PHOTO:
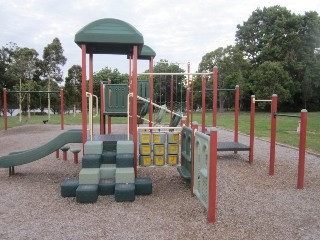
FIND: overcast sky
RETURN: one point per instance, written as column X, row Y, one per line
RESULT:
column 178, row 31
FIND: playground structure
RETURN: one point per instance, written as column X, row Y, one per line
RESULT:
column 110, row 161
column 302, row 136
column 5, row 105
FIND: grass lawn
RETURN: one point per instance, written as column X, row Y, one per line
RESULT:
column 286, row 127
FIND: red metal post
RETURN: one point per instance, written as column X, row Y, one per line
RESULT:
column 215, row 96
column 5, row 109
column 194, row 127
column 187, row 106
column 273, row 135
column 236, row 115
column 134, row 105
column 91, row 82
column 62, row 108
column 252, row 113
column 151, row 92
column 171, row 100
column 109, row 118
column 102, row 116
column 191, row 107
column 130, row 91
column 302, row 148
column 57, row 153
column 212, row 201
column 203, row 92
column 83, row 95
column 91, row 73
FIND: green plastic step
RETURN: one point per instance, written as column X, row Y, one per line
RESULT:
column 124, row 192
column 87, row 193
column 124, row 175
column 69, row 187
column 107, row 171
column 91, row 161
column 89, row 176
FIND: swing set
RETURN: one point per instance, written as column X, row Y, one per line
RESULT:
column 5, row 104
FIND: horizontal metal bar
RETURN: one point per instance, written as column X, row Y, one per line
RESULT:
column 222, row 89
column 173, row 74
column 160, row 128
column 262, row 100
column 285, row 115
column 32, row 91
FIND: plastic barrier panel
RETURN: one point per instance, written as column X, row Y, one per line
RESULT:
column 201, row 166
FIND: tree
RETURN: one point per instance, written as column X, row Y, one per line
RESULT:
column 23, row 67
column 72, row 87
column 7, row 80
column 233, row 70
column 274, row 34
column 53, row 60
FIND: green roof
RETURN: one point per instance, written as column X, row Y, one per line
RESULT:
column 146, row 53
column 109, row 36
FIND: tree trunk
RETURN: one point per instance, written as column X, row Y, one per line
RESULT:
column 49, row 104
column 20, row 104
column 74, row 110
column 29, row 115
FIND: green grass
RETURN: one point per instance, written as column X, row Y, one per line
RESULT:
column 286, row 127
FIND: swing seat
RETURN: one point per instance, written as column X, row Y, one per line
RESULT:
column 176, row 119
column 160, row 115
column 144, row 110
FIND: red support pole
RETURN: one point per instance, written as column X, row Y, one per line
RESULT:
column 57, row 153
column 5, row 109
column 188, row 98
column 187, row 106
column 273, row 133
column 194, row 127
column 212, row 201
column 151, row 92
column 102, row 116
column 191, row 107
column 91, row 81
column 252, row 113
column 134, row 105
column 236, row 115
column 62, row 108
column 130, row 91
column 215, row 96
column 171, row 100
column 302, row 148
column 203, row 121
column 109, row 118
column 83, row 95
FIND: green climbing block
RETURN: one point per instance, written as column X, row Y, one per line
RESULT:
column 87, row 193
column 89, row 176
column 106, row 187
column 124, row 160
column 143, row 186
column 91, row 161
column 109, row 146
column 69, row 187
column 108, row 157
column 125, row 147
column 107, row 171
column 93, row 147
column 124, row 175
column 124, row 192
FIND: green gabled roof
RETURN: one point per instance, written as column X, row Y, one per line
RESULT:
column 109, row 36
column 146, row 53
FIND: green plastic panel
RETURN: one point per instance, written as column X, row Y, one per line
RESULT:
column 116, row 98
column 201, row 166
column 185, row 169
column 143, row 88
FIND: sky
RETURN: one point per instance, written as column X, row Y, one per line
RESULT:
column 178, row 31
